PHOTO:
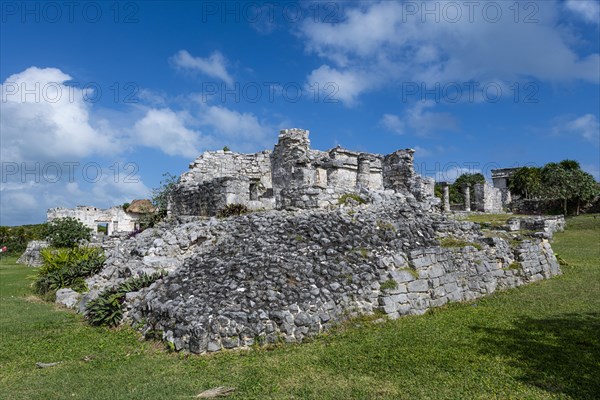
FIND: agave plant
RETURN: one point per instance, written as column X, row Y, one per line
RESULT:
column 107, row 308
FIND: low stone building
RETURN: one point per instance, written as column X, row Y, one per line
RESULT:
column 292, row 176
column 116, row 219
column 501, row 180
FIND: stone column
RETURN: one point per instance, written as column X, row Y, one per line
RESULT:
column 364, row 172
column 289, row 162
column 445, row 197
column 467, row 195
column 398, row 171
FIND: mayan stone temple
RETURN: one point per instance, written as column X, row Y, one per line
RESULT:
column 292, row 176
column 324, row 236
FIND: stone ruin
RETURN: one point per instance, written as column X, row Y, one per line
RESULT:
column 292, row 176
column 32, row 255
column 484, row 198
column 304, row 260
column 117, row 219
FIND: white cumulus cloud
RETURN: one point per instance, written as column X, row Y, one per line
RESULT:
column 214, row 65
column 43, row 118
column 164, row 129
column 587, row 126
column 417, row 120
column 336, row 85
column 238, row 130
column 383, row 44
column 589, row 10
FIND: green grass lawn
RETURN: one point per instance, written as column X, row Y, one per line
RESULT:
column 541, row 341
column 492, row 219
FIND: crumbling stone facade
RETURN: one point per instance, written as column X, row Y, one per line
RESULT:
column 292, row 176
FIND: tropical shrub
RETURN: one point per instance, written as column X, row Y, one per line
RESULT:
column 107, row 308
column 67, row 268
column 67, row 232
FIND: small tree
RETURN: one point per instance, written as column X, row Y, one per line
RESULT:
column 527, row 182
column 585, row 188
column 557, row 183
column 162, row 194
column 566, row 181
column 67, row 232
column 466, row 179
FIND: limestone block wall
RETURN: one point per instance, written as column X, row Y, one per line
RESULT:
column 221, row 164
column 370, row 171
column 342, row 169
column 547, row 226
column 291, row 164
column 208, row 198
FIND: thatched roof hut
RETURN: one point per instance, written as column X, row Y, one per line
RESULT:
column 143, row 206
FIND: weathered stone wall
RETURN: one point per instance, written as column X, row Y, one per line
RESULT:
column 535, row 206
column 543, row 226
column 226, row 164
column 117, row 219
column 291, row 165
column 399, row 174
column 487, row 198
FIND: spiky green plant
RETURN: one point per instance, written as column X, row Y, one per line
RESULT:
column 107, row 308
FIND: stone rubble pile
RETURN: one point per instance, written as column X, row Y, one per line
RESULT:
column 32, row 256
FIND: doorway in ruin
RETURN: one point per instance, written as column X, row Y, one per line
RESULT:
column 254, row 189
column 102, row 228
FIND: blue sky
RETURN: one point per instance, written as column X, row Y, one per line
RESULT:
column 99, row 99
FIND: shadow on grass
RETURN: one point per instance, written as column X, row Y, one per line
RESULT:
column 559, row 355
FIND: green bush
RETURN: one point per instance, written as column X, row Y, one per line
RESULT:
column 107, row 308
column 233, row 209
column 55, row 259
column 15, row 238
column 67, row 232
column 67, row 268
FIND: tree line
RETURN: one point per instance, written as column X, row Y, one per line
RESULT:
column 564, row 181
